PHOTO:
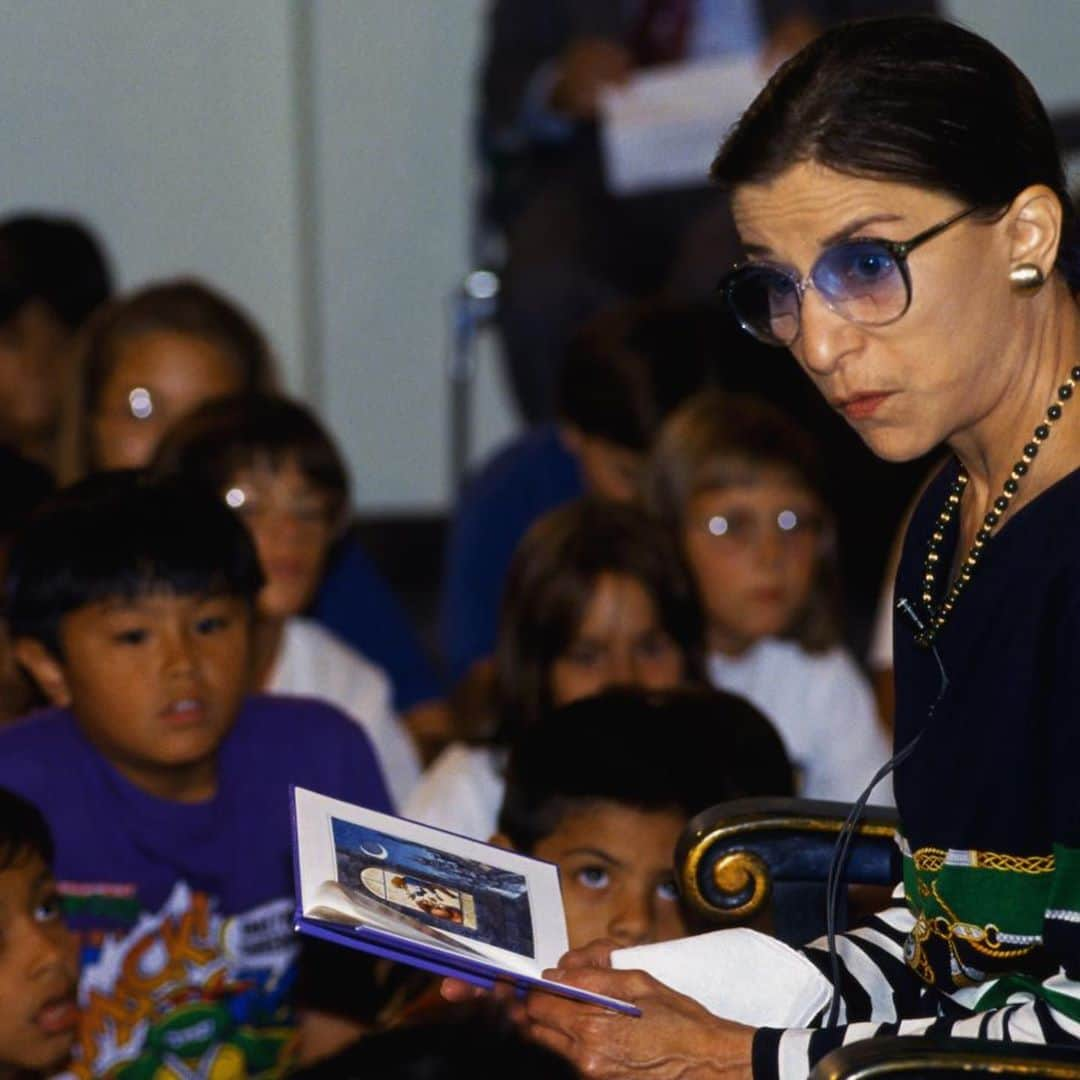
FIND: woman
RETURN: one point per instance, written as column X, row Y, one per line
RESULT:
column 902, row 203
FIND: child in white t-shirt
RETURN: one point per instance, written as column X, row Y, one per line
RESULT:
column 273, row 464
column 741, row 486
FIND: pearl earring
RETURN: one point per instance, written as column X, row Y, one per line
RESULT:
column 1027, row 277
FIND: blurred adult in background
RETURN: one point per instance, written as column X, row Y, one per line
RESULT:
column 53, row 275
column 571, row 245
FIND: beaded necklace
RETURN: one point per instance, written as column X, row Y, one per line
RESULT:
column 939, row 613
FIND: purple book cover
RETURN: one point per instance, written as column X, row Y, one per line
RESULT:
column 428, row 898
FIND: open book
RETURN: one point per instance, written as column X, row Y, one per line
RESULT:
column 428, row 898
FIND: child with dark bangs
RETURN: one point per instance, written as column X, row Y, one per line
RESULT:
column 606, row 785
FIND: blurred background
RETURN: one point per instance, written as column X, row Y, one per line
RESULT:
column 316, row 161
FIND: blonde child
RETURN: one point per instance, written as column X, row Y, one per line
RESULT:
column 741, row 489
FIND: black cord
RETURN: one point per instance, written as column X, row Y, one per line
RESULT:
column 847, row 833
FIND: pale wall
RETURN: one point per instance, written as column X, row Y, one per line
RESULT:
column 193, row 134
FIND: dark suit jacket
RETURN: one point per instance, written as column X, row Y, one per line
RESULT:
column 524, row 34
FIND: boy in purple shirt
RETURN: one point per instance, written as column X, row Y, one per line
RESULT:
column 165, row 785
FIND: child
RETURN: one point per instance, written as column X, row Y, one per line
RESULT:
column 53, row 275
column 596, row 596
column 38, row 964
column 148, row 359
column 270, row 461
column 741, row 488
column 605, row 786
column 155, row 356
column 166, row 787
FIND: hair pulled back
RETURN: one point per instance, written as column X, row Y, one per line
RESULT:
column 914, row 100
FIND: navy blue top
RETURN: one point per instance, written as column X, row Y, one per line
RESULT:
column 360, row 608
column 997, row 768
column 533, row 474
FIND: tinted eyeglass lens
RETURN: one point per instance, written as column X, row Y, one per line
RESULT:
column 766, row 303
column 861, row 281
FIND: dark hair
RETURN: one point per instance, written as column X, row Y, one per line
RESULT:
column 684, row 750
column 23, row 831
column 457, row 1042
column 627, row 368
column 56, row 260
column 914, row 100
column 119, row 534
column 221, row 437
column 26, row 485
column 717, row 439
column 548, row 587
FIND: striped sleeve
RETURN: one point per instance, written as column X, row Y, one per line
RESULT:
column 880, row 995
column 792, row 1053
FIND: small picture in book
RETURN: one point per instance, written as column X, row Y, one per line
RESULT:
column 447, row 892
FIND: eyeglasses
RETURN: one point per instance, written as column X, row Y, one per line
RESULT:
column 309, row 514
column 864, row 280
column 743, row 530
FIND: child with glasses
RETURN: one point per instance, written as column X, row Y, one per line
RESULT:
column 741, row 487
column 272, row 463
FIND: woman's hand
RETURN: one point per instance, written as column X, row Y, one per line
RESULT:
column 673, row 1037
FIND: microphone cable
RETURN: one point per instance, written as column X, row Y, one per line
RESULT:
column 847, row 833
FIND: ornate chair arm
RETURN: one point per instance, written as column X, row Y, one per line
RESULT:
column 730, row 858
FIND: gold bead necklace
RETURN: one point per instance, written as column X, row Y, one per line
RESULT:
column 939, row 613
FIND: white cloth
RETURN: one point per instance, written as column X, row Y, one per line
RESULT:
column 823, row 708
column 461, row 792
column 738, row 974
column 313, row 663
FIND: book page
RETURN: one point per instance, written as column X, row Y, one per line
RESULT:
column 427, row 885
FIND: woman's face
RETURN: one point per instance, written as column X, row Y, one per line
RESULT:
column 940, row 367
column 620, row 642
column 290, row 521
column 157, row 378
column 753, row 550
